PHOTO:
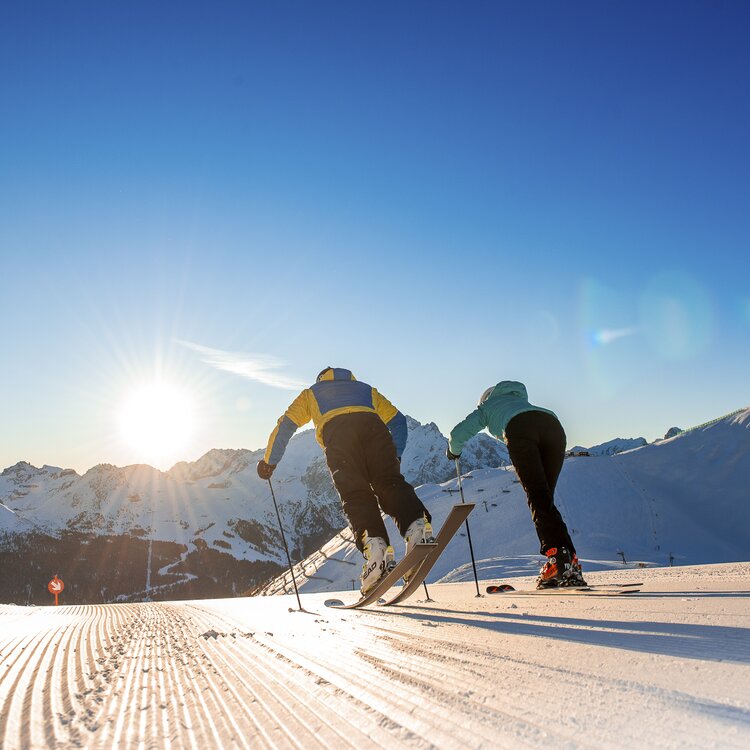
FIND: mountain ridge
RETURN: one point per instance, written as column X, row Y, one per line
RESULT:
column 209, row 527
column 215, row 512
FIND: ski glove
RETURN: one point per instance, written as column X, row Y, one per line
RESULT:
column 452, row 456
column 265, row 470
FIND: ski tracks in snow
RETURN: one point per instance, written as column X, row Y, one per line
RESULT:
column 187, row 676
column 458, row 673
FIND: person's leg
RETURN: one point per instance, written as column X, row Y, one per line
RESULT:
column 523, row 436
column 396, row 496
column 347, row 462
column 552, row 442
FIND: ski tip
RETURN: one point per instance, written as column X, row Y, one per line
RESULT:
column 334, row 603
column 499, row 589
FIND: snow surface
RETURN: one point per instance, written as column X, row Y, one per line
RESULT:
column 665, row 668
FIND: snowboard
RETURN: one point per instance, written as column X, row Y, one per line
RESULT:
column 458, row 514
column 412, row 560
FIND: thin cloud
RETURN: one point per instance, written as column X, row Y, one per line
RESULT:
column 263, row 368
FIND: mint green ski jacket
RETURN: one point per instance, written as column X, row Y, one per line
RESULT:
column 496, row 408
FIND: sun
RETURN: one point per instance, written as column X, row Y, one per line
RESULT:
column 156, row 422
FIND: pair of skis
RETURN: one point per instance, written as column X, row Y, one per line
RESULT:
column 604, row 589
column 421, row 558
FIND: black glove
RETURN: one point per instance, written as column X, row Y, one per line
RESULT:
column 265, row 470
column 452, row 456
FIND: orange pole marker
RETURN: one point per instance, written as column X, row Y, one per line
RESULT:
column 55, row 586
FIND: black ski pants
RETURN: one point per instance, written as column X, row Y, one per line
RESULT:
column 367, row 474
column 536, row 444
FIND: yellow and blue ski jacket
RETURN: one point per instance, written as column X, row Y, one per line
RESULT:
column 336, row 392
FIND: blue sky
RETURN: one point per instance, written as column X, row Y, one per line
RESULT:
column 438, row 196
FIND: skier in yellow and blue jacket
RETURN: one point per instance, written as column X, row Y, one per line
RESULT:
column 363, row 436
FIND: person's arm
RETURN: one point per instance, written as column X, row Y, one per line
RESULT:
column 394, row 420
column 465, row 430
column 294, row 417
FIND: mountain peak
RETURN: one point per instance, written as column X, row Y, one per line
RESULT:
column 216, row 461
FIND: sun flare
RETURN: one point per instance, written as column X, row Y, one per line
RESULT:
column 157, row 421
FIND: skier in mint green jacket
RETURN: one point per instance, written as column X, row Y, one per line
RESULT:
column 536, row 445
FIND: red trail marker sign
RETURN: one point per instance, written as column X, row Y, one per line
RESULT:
column 55, row 586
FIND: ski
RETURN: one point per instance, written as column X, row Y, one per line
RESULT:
column 458, row 514
column 614, row 585
column 604, row 589
column 413, row 559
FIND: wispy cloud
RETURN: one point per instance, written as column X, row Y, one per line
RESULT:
column 263, row 368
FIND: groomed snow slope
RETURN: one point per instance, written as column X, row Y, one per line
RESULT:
column 666, row 668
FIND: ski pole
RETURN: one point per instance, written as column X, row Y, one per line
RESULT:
column 283, row 538
column 468, row 533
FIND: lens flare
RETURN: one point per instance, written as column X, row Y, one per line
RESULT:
column 605, row 316
column 676, row 316
column 745, row 310
column 608, row 335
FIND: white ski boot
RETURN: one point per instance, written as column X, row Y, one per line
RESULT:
column 379, row 560
column 419, row 532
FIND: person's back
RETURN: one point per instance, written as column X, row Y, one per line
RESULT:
column 337, row 390
column 497, row 406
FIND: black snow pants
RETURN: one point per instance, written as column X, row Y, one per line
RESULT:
column 536, row 444
column 367, row 474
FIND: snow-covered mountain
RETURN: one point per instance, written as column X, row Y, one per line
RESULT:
column 424, row 459
column 209, row 528
column 215, row 512
column 618, row 445
column 681, row 501
column 212, row 496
